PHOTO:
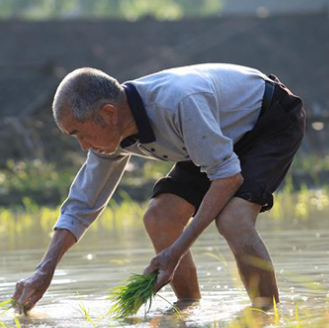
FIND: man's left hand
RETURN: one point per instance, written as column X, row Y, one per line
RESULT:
column 166, row 264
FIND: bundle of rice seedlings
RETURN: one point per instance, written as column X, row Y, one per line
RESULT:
column 128, row 298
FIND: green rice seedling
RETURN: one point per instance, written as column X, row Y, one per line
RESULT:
column 6, row 306
column 86, row 314
column 298, row 323
column 18, row 324
column 130, row 297
column 276, row 313
column 218, row 257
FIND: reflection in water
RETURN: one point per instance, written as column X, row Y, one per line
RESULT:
column 117, row 246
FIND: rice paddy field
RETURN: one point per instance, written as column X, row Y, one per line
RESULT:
column 296, row 232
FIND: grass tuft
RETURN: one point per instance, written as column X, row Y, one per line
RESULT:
column 128, row 298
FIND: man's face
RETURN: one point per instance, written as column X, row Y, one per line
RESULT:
column 99, row 136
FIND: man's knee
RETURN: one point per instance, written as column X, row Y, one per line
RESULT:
column 232, row 227
column 237, row 220
column 167, row 212
column 153, row 218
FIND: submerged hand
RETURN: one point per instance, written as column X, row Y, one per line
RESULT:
column 30, row 290
column 166, row 263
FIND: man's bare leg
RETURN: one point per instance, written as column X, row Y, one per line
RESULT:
column 165, row 220
column 237, row 224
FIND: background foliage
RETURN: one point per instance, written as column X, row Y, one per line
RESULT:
column 120, row 9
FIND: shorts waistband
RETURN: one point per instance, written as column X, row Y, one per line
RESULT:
column 275, row 90
column 268, row 95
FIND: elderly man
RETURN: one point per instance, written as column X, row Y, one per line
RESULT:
column 232, row 132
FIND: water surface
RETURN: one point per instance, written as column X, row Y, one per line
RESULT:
column 298, row 243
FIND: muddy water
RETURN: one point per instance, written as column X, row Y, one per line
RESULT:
column 299, row 248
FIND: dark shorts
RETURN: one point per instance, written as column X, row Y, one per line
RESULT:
column 265, row 153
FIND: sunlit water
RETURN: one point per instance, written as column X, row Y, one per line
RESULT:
column 299, row 248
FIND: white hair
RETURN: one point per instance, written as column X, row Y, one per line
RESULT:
column 83, row 92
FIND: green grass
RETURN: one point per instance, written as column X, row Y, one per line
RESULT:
column 128, row 298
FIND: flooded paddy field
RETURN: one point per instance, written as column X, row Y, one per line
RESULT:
column 296, row 233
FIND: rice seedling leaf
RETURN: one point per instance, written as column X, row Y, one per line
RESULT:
column 7, row 302
column 298, row 323
column 18, row 324
column 276, row 313
column 218, row 257
column 7, row 305
column 258, row 310
column 176, row 309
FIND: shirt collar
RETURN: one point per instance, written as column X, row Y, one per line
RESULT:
column 145, row 131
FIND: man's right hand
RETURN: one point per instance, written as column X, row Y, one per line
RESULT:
column 30, row 290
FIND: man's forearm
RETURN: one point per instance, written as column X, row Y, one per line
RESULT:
column 218, row 195
column 59, row 245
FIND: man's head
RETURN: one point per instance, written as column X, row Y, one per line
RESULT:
column 87, row 105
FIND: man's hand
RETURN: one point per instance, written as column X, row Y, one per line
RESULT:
column 166, row 263
column 30, row 290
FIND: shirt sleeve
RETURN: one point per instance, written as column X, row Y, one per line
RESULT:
column 207, row 146
column 90, row 192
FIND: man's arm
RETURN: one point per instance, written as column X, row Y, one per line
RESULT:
column 29, row 291
column 219, row 194
column 198, row 122
column 89, row 195
column 90, row 192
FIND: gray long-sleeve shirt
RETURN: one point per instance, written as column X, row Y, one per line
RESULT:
column 189, row 113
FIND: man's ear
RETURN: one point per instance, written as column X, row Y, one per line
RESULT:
column 109, row 114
